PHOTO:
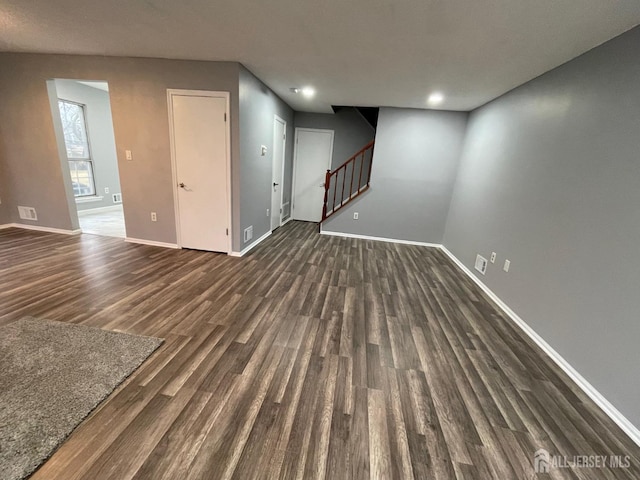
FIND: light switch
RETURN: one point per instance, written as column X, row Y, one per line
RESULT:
column 127, row 154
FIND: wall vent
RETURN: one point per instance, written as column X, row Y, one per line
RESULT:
column 481, row 264
column 27, row 213
column 117, row 198
column 248, row 233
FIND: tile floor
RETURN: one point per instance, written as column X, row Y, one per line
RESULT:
column 109, row 223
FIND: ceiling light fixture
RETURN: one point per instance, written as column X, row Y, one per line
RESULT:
column 308, row 92
column 436, row 98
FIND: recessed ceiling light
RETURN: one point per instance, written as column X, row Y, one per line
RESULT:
column 436, row 98
column 308, row 92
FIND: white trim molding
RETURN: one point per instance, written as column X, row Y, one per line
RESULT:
column 153, row 243
column 90, row 199
column 379, row 239
column 110, row 208
column 254, row 244
column 42, row 229
column 612, row 412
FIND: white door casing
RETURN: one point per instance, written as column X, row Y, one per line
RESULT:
column 201, row 168
column 277, row 170
column 312, row 157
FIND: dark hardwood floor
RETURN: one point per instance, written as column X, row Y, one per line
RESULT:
column 311, row 357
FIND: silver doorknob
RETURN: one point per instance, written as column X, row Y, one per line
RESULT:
column 275, row 184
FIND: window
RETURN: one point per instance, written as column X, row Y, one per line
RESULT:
column 74, row 128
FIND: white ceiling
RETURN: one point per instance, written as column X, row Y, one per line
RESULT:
column 354, row 52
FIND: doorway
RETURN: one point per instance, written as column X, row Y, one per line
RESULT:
column 83, row 124
column 277, row 170
column 201, row 168
column 312, row 158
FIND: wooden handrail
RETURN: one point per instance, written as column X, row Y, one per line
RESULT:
column 359, row 152
column 332, row 179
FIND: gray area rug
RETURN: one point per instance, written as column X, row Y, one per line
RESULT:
column 52, row 375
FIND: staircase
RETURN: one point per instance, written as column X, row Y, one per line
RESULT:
column 347, row 182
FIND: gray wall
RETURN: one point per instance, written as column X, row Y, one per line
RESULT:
column 101, row 139
column 351, row 131
column 139, row 108
column 550, row 179
column 5, row 217
column 258, row 105
column 61, row 150
column 414, row 166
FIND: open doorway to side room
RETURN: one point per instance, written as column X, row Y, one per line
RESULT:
column 86, row 143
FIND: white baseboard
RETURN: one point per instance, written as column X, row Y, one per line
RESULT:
column 246, row 250
column 110, row 208
column 379, row 239
column 153, row 243
column 42, row 229
column 629, row 428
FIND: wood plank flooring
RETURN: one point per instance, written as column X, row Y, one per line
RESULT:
column 311, row 357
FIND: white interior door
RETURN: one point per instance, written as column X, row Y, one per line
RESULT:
column 279, row 143
column 201, row 169
column 313, row 152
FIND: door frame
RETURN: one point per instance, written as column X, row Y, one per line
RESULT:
column 171, row 92
column 295, row 159
column 277, row 118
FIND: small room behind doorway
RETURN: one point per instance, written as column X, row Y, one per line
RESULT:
column 88, row 148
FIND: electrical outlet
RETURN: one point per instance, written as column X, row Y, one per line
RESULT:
column 128, row 155
column 267, row 212
column 106, row 189
column 355, row 215
column 154, row 217
column 493, row 257
column 507, row 264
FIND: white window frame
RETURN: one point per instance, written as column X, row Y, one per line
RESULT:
column 89, row 158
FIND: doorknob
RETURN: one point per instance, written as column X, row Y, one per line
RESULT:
column 181, row 185
column 275, row 184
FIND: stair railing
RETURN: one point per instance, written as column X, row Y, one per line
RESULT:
column 348, row 181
